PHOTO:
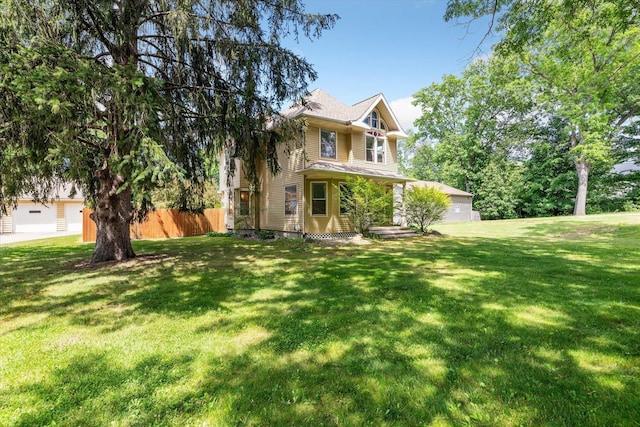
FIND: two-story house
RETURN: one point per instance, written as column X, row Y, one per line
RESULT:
column 304, row 198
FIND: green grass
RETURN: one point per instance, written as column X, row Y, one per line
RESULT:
column 532, row 322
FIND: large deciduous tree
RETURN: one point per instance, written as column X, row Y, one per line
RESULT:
column 119, row 96
column 478, row 120
column 584, row 58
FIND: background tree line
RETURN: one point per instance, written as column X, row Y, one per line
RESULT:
column 537, row 128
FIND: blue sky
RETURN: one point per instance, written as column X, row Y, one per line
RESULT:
column 395, row 47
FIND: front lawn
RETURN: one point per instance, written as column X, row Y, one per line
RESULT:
column 527, row 322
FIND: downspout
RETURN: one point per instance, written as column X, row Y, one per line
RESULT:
column 304, row 190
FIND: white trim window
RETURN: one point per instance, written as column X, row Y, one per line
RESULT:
column 319, row 198
column 328, row 144
column 375, row 143
column 291, row 200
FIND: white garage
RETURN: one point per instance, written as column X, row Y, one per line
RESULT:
column 63, row 213
column 34, row 218
column 73, row 217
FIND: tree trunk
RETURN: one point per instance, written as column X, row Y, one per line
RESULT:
column 112, row 216
column 582, row 167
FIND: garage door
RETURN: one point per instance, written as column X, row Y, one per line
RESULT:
column 32, row 218
column 73, row 217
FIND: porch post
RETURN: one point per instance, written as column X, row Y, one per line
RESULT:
column 403, row 216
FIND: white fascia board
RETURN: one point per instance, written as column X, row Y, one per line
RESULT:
column 360, row 125
column 398, row 133
column 371, row 107
column 393, row 116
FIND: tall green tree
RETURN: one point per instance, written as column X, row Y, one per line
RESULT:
column 498, row 193
column 583, row 57
column 117, row 96
column 585, row 67
column 419, row 160
column 477, row 119
column 549, row 177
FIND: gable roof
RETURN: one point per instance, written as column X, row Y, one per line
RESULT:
column 319, row 104
column 446, row 189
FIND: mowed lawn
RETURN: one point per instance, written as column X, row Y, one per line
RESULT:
column 524, row 322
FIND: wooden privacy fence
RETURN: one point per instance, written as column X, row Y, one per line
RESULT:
column 163, row 223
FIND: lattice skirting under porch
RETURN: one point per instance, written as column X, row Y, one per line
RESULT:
column 329, row 236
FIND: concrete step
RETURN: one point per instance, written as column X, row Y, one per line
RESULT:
column 393, row 232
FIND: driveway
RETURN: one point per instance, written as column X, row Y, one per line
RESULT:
column 23, row 237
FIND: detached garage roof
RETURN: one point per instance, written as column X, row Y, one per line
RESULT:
column 451, row 191
column 62, row 193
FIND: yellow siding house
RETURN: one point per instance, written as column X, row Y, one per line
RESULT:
column 304, row 198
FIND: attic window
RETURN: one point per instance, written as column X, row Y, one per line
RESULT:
column 374, row 120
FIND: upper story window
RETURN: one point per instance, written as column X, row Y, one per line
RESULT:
column 375, row 147
column 376, row 138
column 374, row 120
column 328, row 144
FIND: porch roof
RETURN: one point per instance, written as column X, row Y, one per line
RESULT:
column 323, row 169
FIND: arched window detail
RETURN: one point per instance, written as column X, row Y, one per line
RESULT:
column 375, row 121
column 376, row 138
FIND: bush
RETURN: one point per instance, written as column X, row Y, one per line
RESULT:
column 366, row 203
column 424, row 206
column 629, row 206
column 217, row 234
column 266, row 234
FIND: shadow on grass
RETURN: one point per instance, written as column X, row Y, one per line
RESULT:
column 462, row 331
column 115, row 393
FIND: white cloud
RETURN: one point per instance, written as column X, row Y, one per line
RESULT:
column 405, row 112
